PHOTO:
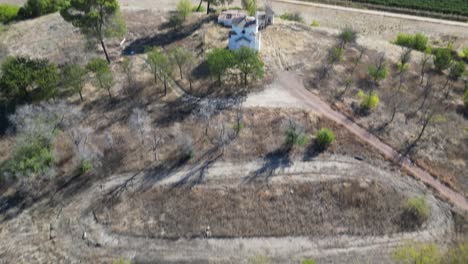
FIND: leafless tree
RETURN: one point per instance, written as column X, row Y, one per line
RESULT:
column 139, row 121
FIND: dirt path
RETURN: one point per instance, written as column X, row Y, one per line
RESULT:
column 293, row 94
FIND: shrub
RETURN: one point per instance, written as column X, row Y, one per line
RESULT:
column 37, row 8
column 184, row 8
column 417, row 253
column 8, row 13
column 32, row 156
column 347, row 35
column 29, row 80
column 325, row 138
column 415, row 212
column 405, row 40
column 85, row 167
column 463, row 53
column 315, row 23
column 443, row 59
column 308, row 261
column 419, row 41
column 368, row 100
column 292, row 17
column 294, row 135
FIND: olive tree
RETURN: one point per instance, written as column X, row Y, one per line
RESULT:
column 379, row 71
column 219, row 61
column 97, row 19
column 160, row 67
column 249, row 63
column 103, row 76
column 74, row 78
column 181, row 57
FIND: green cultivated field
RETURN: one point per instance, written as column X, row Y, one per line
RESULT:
column 458, row 7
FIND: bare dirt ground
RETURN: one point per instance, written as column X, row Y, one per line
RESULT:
column 67, row 223
column 79, row 232
column 443, row 150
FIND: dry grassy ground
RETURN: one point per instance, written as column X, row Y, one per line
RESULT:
column 64, row 204
column 329, row 208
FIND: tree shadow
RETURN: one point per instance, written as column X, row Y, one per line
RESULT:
column 277, row 159
column 312, row 151
column 165, row 38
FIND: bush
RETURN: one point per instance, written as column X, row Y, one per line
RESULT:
column 368, row 101
column 29, row 80
column 8, row 13
column 184, row 9
column 325, row 138
column 418, row 41
column 347, row 35
column 37, row 8
column 315, row 23
column 85, row 167
column 443, row 59
column 415, row 212
column 292, row 17
column 32, row 156
column 308, row 261
column 295, row 134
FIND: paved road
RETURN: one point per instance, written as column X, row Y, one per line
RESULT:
column 294, row 86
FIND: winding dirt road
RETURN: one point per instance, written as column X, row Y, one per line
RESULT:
column 291, row 92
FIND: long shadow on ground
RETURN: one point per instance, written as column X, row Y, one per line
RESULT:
column 165, row 38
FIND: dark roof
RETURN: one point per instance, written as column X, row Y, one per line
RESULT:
column 244, row 22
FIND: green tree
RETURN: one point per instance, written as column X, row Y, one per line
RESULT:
column 415, row 253
column 37, row 8
column 97, row 19
column 180, row 57
column 102, row 74
column 160, row 66
column 219, row 61
column 184, row 9
column 379, row 71
column 443, row 59
column 249, row 63
column 28, row 80
column 347, row 35
column 325, row 138
column 456, row 70
column 74, row 78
